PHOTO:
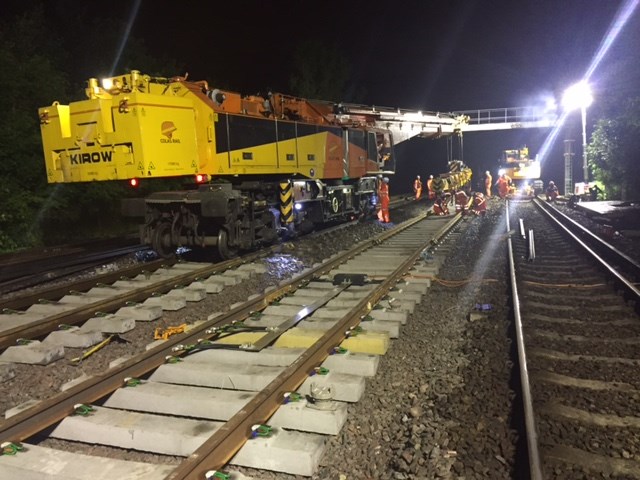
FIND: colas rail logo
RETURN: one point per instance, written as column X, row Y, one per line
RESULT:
column 167, row 128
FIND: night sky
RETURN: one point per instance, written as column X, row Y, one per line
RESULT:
column 441, row 55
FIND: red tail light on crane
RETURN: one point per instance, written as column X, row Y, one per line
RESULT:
column 134, row 182
column 201, row 178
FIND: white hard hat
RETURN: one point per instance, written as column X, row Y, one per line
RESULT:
column 430, row 176
column 418, row 176
column 488, row 172
column 385, row 179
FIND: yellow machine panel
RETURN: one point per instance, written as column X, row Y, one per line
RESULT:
column 119, row 138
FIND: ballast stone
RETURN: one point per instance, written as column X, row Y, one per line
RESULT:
column 7, row 371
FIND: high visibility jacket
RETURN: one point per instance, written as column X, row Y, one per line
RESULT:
column 440, row 208
column 417, row 188
column 383, row 193
column 479, row 205
column 487, row 185
column 461, row 200
column 503, row 186
column 432, row 193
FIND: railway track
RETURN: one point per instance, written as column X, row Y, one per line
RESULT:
column 578, row 335
column 337, row 309
column 41, row 311
column 30, row 268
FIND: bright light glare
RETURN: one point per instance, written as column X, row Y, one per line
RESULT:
column 107, row 83
column 577, row 96
column 622, row 17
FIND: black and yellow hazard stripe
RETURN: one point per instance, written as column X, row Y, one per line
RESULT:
column 439, row 185
column 286, row 202
column 455, row 166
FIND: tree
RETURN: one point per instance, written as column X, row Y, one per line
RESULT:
column 46, row 55
column 614, row 151
column 319, row 71
column 30, row 79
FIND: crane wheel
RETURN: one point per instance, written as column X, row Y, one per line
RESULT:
column 224, row 252
column 162, row 243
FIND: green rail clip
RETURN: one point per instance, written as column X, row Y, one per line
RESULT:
column 215, row 474
column 10, row 448
column 82, row 409
column 132, row 382
column 291, row 397
column 261, row 431
column 319, row 371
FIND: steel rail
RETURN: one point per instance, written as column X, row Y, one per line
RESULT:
column 631, row 290
column 219, row 449
column 591, row 237
column 83, row 313
column 535, row 468
column 59, row 291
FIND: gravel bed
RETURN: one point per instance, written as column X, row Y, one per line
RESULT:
column 440, row 406
column 607, row 441
column 627, row 241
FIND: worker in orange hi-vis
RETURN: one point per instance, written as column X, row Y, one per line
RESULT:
column 503, row 183
column 378, row 209
column 440, row 206
column 383, row 193
column 462, row 200
column 432, row 193
column 479, row 204
column 417, row 187
column 488, row 180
